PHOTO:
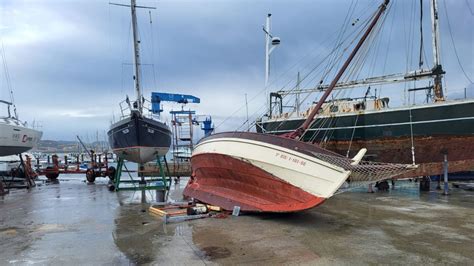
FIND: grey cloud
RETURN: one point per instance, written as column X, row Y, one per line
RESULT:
column 212, row 49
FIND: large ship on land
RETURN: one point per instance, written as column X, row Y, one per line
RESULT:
column 421, row 134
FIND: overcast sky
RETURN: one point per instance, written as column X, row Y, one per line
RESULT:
column 69, row 60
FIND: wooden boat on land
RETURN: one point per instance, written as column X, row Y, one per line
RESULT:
column 269, row 173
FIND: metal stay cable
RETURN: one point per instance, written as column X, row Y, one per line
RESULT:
column 355, row 34
column 454, row 45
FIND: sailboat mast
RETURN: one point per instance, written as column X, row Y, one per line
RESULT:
column 136, row 51
column 437, row 69
column 309, row 120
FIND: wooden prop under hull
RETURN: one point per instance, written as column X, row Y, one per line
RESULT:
column 225, row 181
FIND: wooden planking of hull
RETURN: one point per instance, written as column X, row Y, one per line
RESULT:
column 429, row 152
column 225, row 181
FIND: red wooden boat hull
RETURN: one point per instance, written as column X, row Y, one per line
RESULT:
column 225, row 181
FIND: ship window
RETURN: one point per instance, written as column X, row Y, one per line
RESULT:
column 334, row 108
column 359, row 106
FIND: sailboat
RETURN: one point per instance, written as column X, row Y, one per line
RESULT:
column 136, row 137
column 16, row 136
column 422, row 133
column 269, row 173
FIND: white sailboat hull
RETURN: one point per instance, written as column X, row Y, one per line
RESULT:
column 16, row 138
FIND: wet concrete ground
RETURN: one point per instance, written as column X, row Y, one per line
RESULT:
column 74, row 223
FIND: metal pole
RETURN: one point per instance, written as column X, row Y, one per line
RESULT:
column 267, row 55
column 446, row 186
column 136, row 57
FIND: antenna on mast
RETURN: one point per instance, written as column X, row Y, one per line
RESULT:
column 271, row 43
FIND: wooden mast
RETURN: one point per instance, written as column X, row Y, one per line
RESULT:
column 309, row 120
column 437, row 68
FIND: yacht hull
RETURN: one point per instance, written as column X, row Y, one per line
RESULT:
column 139, row 139
column 16, row 138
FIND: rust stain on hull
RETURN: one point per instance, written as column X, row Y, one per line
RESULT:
column 429, row 152
column 227, row 182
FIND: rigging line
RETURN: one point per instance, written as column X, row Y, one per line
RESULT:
column 263, row 90
column 362, row 27
column 338, row 92
column 308, row 74
column 454, row 45
column 284, row 121
column 126, row 48
column 379, row 41
column 331, row 119
column 334, row 62
column 355, row 69
column 320, row 63
column 8, row 80
column 389, row 40
column 412, row 139
column 306, row 56
column 342, row 30
column 285, row 73
column 410, row 42
column 406, row 40
column 469, row 7
column 153, row 50
column 413, row 30
column 370, row 6
column 352, row 136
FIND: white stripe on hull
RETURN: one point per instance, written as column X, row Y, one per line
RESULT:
column 141, row 154
column 308, row 173
column 382, row 125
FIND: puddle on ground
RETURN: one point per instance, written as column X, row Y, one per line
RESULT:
column 215, row 252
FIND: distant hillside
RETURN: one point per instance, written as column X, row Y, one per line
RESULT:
column 68, row 146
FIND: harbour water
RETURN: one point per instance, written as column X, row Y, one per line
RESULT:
column 76, row 223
